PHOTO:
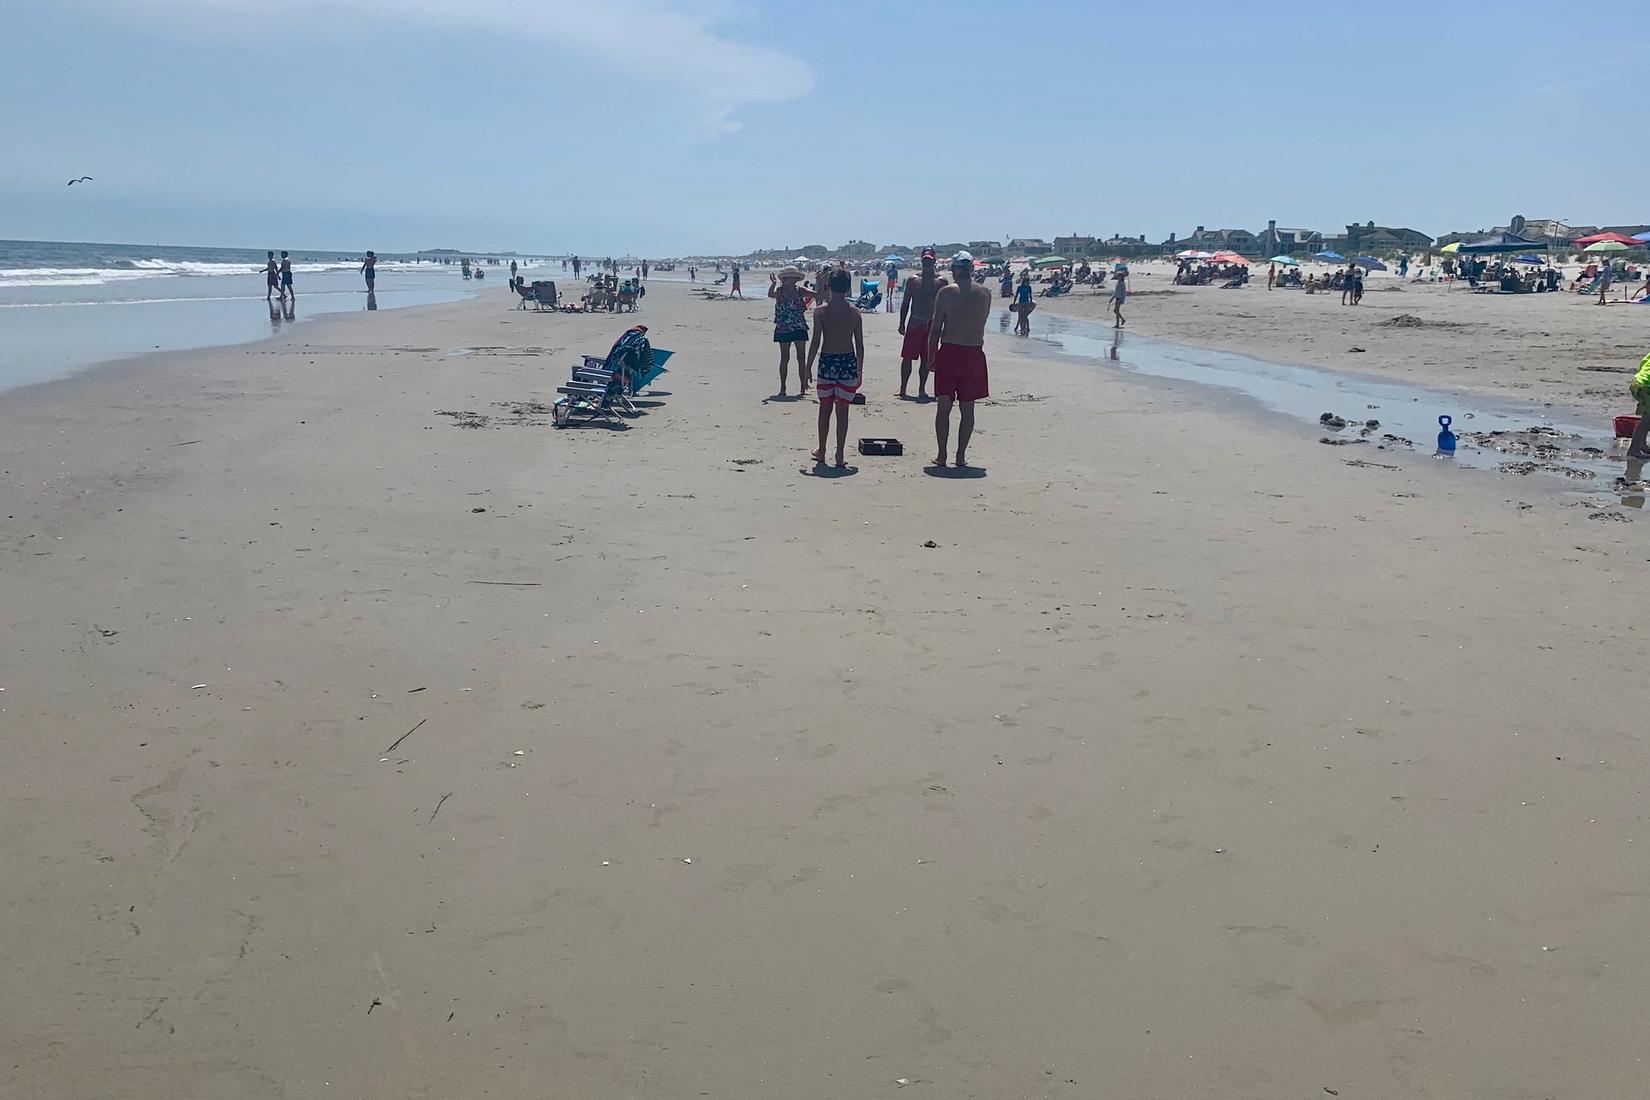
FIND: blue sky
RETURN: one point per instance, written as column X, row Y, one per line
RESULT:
column 675, row 126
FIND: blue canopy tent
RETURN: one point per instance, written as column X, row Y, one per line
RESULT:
column 1502, row 242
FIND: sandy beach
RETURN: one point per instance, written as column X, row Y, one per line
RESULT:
column 1174, row 754
column 1560, row 349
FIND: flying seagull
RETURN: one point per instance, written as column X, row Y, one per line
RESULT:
column 82, row 179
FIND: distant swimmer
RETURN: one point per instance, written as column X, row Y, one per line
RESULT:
column 82, row 179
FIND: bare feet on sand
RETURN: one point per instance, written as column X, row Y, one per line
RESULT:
column 939, row 460
column 961, row 463
column 818, row 456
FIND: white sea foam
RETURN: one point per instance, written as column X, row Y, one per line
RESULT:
column 161, row 269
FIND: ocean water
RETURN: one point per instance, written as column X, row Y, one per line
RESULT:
column 67, row 306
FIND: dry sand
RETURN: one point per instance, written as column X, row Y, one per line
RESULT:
column 1189, row 760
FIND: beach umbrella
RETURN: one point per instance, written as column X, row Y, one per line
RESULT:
column 1606, row 246
column 1369, row 263
column 1641, row 237
column 1452, row 248
column 1286, row 261
column 1050, row 261
column 1328, row 256
column 891, row 258
column 1501, row 242
column 1189, row 254
column 1528, row 260
column 1600, row 238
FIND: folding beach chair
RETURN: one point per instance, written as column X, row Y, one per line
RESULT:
column 544, row 294
column 591, row 400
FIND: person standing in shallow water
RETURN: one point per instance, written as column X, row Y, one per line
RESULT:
column 272, row 278
column 956, row 345
column 286, row 277
column 369, row 269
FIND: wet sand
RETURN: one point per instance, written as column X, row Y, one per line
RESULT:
column 1191, row 758
column 1559, row 348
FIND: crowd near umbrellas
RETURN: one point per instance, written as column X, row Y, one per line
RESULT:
column 1606, row 246
column 1328, row 257
column 1286, row 261
column 1370, row 263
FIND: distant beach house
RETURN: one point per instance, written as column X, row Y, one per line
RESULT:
column 985, row 249
column 1240, row 241
column 1028, row 246
column 1278, row 240
column 857, row 250
column 1371, row 239
column 1074, row 246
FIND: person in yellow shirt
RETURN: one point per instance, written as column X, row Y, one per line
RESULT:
column 1640, row 389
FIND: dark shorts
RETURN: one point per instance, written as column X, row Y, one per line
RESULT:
column 286, row 278
column 916, row 340
column 791, row 336
column 960, row 372
column 370, row 277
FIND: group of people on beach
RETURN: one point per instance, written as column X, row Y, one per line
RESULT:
column 943, row 325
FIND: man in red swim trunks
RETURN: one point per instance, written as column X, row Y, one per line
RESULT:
column 916, row 314
column 955, row 346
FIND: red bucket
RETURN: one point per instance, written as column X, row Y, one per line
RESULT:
column 1626, row 426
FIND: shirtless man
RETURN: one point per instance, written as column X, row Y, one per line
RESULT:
column 916, row 314
column 272, row 278
column 955, row 347
column 839, row 348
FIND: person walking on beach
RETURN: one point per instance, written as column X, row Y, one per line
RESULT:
column 369, row 269
column 1606, row 276
column 272, row 278
column 1023, row 305
column 1639, row 447
column 734, row 291
column 893, row 285
column 956, row 346
column 916, row 316
column 575, row 267
column 286, row 277
column 1346, row 285
column 790, row 324
column 1271, row 276
column 1119, row 293
column 839, row 348
column 512, row 271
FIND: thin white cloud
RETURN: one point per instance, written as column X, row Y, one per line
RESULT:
column 674, row 42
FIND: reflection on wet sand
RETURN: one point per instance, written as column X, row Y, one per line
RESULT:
column 1631, row 485
column 372, row 300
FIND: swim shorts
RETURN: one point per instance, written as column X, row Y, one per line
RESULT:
column 916, row 340
column 286, row 278
column 787, row 336
column 837, row 378
column 959, row 371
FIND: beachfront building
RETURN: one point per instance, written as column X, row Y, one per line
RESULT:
column 1074, row 246
column 1241, row 241
column 985, row 250
column 1028, row 246
column 857, row 250
column 1278, row 240
column 1370, row 239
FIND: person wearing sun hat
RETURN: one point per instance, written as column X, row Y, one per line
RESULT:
column 916, row 313
column 956, row 347
column 790, row 323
